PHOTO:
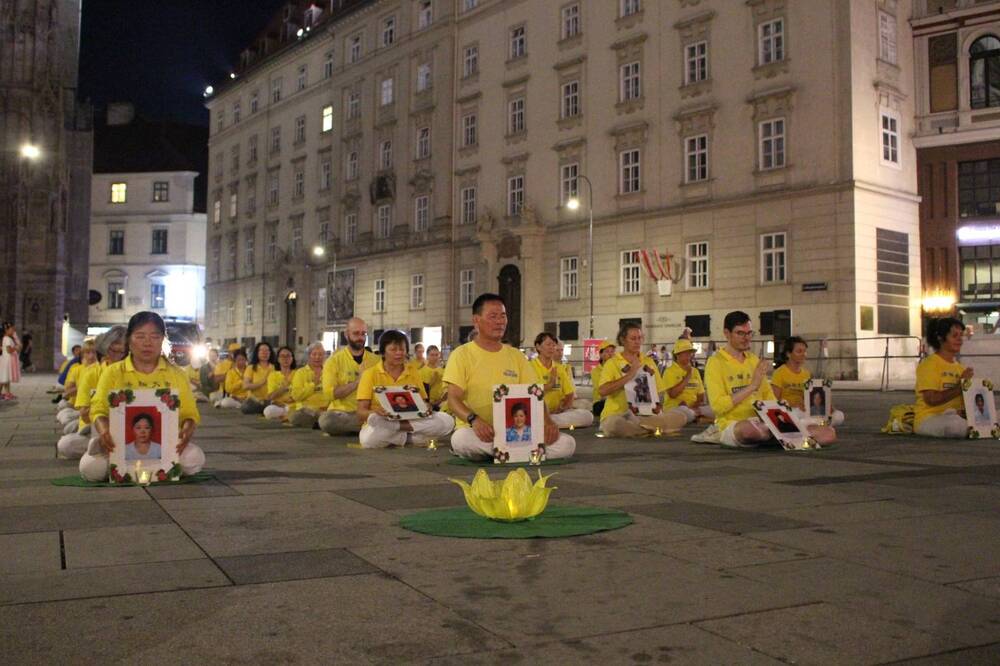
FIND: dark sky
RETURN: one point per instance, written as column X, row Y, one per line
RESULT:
column 160, row 54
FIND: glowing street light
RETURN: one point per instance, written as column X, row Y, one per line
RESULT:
column 208, row 91
column 573, row 203
column 319, row 251
column 31, row 151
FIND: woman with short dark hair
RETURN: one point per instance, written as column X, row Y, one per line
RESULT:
column 939, row 411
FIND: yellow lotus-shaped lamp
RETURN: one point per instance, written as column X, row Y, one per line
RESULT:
column 511, row 500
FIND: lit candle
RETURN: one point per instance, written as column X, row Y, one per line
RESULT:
column 658, row 432
column 572, row 427
column 432, row 445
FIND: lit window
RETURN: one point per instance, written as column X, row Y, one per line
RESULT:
column 772, row 144
column 771, row 40
column 696, row 255
column 696, row 158
column 327, row 118
column 630, row 272
column 157, row 296
column 772, row 258
column 569, row 182
column 118, row 192
column 233, row 208
column 217, row 211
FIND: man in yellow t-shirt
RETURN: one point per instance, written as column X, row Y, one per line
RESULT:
column 340, row 380
column 684, row 391
column 558, row 384
column 432, row 375
column 605, row 351
column 474, row 369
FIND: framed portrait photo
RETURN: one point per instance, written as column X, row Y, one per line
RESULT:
column 402, row 403
column 642, row 393
column 819, row 398
column 980, row 410
column 145, row 426
column 518, row 422
column 784, row 426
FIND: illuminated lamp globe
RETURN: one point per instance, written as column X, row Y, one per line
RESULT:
column 573, row 203
column 318, row 251
column 31, row 151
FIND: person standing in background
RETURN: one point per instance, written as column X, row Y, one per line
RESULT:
column 10, row 361
column 26, row 364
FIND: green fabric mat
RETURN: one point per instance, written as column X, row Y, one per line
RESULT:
column 79, row 482
column 464, row 462
column 555, row 521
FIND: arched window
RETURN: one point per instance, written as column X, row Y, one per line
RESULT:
column 984, row 72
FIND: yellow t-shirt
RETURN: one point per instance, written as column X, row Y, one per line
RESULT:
column 613, row 370
column 432, row 378
column 73, row 376
column 256, row 376
column 377, row 376
column 724, row 376
column 476, row 371
column 792, row 385
column 415, row 364
column 89, row 377
column 222, row 368
column 275, row 381
column 306, row 392
column 562, row 387
column 234, row 384
column 340, row 369
column 936, row 374
column 672, row 376
column 595, row 380
column 123, row 375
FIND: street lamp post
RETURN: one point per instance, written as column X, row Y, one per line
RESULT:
column 574, row 203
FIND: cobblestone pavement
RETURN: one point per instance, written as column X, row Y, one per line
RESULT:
column 882, row 550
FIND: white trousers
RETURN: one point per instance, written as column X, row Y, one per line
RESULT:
column 229, row 403
column 692, row 414
column 94, row 463
column 947, row 425
column 380, row 432
column 67, row 415
column 64, row 404
column 466, row 444
column 578, row 418
column 836, row 417
column 72, row 447
column 275, row 412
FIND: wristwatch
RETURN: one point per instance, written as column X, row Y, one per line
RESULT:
column 471, row 418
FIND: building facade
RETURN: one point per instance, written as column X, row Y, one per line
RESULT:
column 762, row 146
column 46, row 142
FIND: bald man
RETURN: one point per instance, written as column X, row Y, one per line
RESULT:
column 340, row 380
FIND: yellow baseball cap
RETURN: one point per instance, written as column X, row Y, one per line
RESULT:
column 233, row 346
column 604, row 345
column 681, row 346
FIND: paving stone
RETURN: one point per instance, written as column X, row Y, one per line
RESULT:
column 728, row 552
column 29, row 553
column 188, row 490
column 721, row 519
column 134, row 544
column 987, row 655
column 712, row 472
column 273, row 567
column 988, row 587
column 44, row 518
column 40, row 492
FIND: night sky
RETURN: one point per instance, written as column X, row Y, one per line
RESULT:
column 160, row 54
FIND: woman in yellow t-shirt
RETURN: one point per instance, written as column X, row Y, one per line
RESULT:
column 684, row 392
column 789, row 381
column 69, row 416
column 558, row 384
column 620, row 418
column 939, row 411
column 308, row 399
column 432, row 375
column 233, row 383
column 255, row 379
column 279, row 384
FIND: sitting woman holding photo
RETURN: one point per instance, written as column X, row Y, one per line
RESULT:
column 143, row 368
column 377, row 429
column 939, row 411
column 236, row 393
column 519, row 431
column 279, row 385
column 789, row 381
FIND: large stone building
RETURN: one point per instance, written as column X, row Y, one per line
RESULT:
column 764, row 146
column 147, row 235
column 45, row 137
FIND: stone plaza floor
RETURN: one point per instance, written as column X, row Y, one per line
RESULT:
column 885, row 549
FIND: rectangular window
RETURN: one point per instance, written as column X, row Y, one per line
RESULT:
column 515, row 195
column 231, row 254
column 887, row 37
column 630, row 172
column 892, row 277
column 468, row 205
column 297, row 237
column 568, row 277
column 421, row 213
column 470, row 61
column 270, row 308
column 236, row 112
column 466, row 286
column 276, row 90
column 772, row 144
column 116, row 295
column 423, row 77
column 388, row 31
column 416, row 292
column 324, row 233
column 300, row 129
column 159, row 241
column 383, row 221
column 470, row 135
column 630, row 82
column 249, row 250
column 772, row 258
column 254, row 97
column 231, row 313
column 771, row 41
column 515, row 112
column 248, row 311
column 272, row 188
column 979, row 189
column 570, row 107
column 351, row 228
column 518, row 43
column 119, row 192
column 697, row 261
column 157, row 296
column 630, row 7
column 234, row 158
column 353, row 105
column 569, row 182
column 327, row 118
column 161, row 190
column 351, row 166
column 299, row 183
column 696, row 158
column 354, row 48
column 271, row 249
column 275, row 140
column 385, row 154
column 379, row 302
column 116, row 241
column 890, row 138
column 425, row 14
column 217, row 211
column 325, row 174
column 300, row 79
column 570, row 21
column 328, row 65
column 470, row 4
column 252, row 201
column 696, row 62
column 386, row 94
column 423, row 143
column 630, row 272
column 216, row 257
column 252, row 150
column 233, row 208
column 220, row 117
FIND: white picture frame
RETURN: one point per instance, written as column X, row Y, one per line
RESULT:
column 402, row 403
column 132, row 412
column 518, row 423
column 784, row 425
column 980, row 409
column 642, row 393
column 818, row 399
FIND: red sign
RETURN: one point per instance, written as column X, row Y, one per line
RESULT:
column 591, row 353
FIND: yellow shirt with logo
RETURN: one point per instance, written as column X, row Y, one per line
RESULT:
column 306, row 392
column 792, row 385
column 123, row 375
column 936, row 374
column 89, row 377
column 255, row 376
column 562, row 387
column 340, row 369
column 724, row 376
column 277, row 380
column 476, row 371
column 672, row 376
column 377, row 376
column 433, row 381
column 234, row 384
column 614, row 369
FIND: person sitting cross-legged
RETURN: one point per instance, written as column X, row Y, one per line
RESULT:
column 308, row 399
column 685, row 392
column 604, row 352
column 432, row 374
column 558, row 385
column 789, row 381
column 474, row 369
column 940, row 410
column 255, row 378
column 377, row 429
column 279, row 384
column 236, row 393
column 340, row 380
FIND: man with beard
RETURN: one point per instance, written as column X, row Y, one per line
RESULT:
column 340, row 380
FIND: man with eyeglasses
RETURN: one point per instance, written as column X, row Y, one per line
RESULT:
column 734, row 379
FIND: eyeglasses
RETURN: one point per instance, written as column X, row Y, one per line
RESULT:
column 743, row 334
